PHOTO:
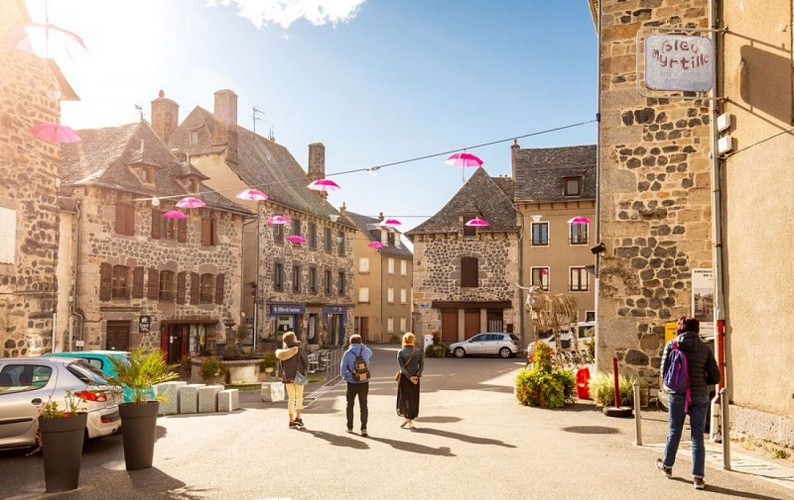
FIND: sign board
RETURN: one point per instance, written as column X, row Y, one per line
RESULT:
column 679, row 62
column 287, row 309
column 669, row 331
column 144, row 324
column 703, row 300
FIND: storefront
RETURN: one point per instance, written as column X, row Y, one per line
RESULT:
column 180, row 338
column 286, row 318
column 335, row 318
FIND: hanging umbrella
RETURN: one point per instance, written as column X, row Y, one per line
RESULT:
column 277, row 219
column 324, row 185
column 477, row 222
column 376, row 244
column 579, row 220
column 54, row 132
column 252, row 195
column 174, row 214
column 43, row 39
column 190, row 202
column 463, row 159
column 391, row 222
column 294, row 238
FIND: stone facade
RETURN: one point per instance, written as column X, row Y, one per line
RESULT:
column 655, row 190
column 28, row 199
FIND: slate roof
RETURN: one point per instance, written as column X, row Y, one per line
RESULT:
column 261, row 164
column 482, row 194
column 366, row 223
column 103, row 155
column 540, row 172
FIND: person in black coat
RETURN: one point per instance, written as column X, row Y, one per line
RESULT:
column 411, row 364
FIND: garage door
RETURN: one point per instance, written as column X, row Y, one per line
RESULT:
column 449, row 326
column 472, row 322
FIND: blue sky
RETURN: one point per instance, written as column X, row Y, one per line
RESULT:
column 376, row 81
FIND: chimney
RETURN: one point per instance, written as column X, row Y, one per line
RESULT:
column 316, row 161
column 165, row 117
column 225, row 133
column 343, row 209
column 514, row 156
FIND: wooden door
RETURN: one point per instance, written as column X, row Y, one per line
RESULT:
column 118, row 336
column 449, row 326
column 472, row 318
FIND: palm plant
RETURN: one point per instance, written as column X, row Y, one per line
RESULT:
column 142, row 370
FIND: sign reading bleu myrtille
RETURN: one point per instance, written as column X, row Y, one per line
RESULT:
column 679, row 62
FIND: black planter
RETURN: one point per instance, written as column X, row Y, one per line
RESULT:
column 138, row 424
column 62, row 440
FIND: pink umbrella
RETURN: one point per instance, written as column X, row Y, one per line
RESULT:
column 40, row 39
column 324, row 185
column 464, row 159
column 252, row 195
column 391, row 222
column 294, row 238
column 190, row 202
column 54, row 132
column 579, row 220
column 477, row 222
column 277, row 219
column 376, row 244
column 174, row 214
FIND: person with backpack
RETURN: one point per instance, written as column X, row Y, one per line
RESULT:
column 355, row 370
column 688, row 368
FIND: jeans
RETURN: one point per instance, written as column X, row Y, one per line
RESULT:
column 361, row 390
column 698, row 407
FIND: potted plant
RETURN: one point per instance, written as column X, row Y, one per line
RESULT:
column 139, row 417
column 62, row 432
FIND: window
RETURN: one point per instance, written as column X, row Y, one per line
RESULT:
column 403, row 267
column 402, row 324
column 312, row 280
column 327, row 282
column 579, row 281
column 403, row 296
column 390, row 325
column 363, row 294
column 209, row 231
column 167, row 286
column 469, row 273
column 120, row 286
column 572, row 186
column 340, row 238
column 540, row 233
column 579, row 233
column 8, row 236
column 296, row 278
column 278, row 277
column 469, row 230
column 146, row 175
column 278, row 233
column 194, row 137
column 296, row 226
column 589, row 316
column 206, row 285
column 313, row 236
column 342, row 283
column 363, row 265
column 390, row 295
column 390, row 239
column 540, row 277
column 125, row 219
column 168, row 228
column 24, row 377
column 327, row 239
column 194, row 186
column 391, row 265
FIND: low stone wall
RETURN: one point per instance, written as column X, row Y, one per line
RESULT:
column 239, row 371
column 762, row 425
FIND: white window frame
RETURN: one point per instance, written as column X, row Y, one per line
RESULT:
column 363, row 294
column 391, row 265
column 363, row 265
column 390, row 325
column 402, row 324
column 403, row 267
column 390, row 295
column 544, row 283
column 532, row 236
column 403, row 296
column 8, row 236
column 582, row 272
column 586, row 234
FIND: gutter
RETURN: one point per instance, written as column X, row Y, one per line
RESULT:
column 73, row 311
column 597, row 225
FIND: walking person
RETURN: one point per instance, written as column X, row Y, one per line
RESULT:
column 294, row 362
column 703, row 371
column 411, row 364
column 355, row 370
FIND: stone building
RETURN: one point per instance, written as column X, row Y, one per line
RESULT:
column 383, row 281
column 137, row 278
column 464, row 277
column 306, row 287
column 29, row 235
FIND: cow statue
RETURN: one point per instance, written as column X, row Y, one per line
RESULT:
column 550, row 311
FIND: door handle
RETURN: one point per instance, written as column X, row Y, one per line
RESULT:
column 35, row 401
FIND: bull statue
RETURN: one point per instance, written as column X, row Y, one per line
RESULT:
column 550, row 311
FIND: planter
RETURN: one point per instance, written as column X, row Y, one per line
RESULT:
column 138, row 424
column 62, row 440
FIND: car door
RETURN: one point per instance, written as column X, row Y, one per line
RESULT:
column 495, row 342
column 476, row 344
column 23, row 387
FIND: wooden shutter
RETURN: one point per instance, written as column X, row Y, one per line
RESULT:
column 153, row 292
column 130, row 220
column 468, row 272
column 181, row 230
column 181, row 284
column 214, row 230
column 120, row 218
column 194, row 288
column 156, row 216
column 137, row 283
column 206, row 232
column 219, row 282
column 105, row 281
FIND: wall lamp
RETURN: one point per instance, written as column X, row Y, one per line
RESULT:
column 598, row 248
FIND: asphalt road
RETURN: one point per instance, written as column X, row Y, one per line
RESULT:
column 472, row 441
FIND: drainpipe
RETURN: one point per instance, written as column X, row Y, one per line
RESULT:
column 257, row 290
column 597, row 225
column 75, row 275
column 521, row 276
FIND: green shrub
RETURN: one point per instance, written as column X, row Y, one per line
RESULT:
column 542, row 385
column 210, row 368
column 602, row 389
column 436, row 351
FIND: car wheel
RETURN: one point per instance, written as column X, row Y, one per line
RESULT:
column 459, row 352
column 505, row 352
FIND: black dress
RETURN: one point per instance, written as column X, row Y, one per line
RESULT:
column 411, row 363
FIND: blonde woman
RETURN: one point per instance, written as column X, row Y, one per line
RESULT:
column 411, row 364
column 293, row 365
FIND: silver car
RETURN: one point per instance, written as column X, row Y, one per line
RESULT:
column 26, row 383
column 487, row 343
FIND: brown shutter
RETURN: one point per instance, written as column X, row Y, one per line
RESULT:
column 181, row 230
column 120, row 218
column 194, row 288
column 156, row 216
column 219, row 281
column 137, row 283
column 154, row 285
column 468, row 272
column 105, row 281
column 206, row 231
column 181, row 282
column 215, row 239
column 130, row 223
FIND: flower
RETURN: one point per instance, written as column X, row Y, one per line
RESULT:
column 72, row 401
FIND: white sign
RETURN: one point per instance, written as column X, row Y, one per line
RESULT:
column 679, row 62
column 703, row 300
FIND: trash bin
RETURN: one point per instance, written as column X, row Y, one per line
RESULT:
column 583, row 383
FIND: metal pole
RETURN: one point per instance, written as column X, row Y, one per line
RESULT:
column 617, row 382
column 637, row 414
column 726, row 442
column 257, row 290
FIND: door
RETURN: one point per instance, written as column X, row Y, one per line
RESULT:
column 362, row 328
column 178, row 337
column 472, row 318
column 477, row 344
column 118, row 336
column 449, row 326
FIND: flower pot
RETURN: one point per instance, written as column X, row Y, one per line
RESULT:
column 138, row 424
column 62, row 441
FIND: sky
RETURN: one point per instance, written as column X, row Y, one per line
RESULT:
column 376, row 81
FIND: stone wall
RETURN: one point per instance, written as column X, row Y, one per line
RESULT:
column 655, row 205
column 28, row 170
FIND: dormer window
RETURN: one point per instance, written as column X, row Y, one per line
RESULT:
column 469, row 230
column 572, row 186
column 193, row 137
column 144, row 173
column 193, row 185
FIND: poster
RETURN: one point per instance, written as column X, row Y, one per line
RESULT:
column 703, row 300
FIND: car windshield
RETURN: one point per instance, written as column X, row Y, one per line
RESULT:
column 87, row 373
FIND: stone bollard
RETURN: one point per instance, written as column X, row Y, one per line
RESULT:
column 188, row 398
column 228, row 400
column 170, row 393
column 272, row 392
column 208, row 398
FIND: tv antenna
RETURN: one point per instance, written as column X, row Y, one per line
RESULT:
column 139, row 109
column 254, row 117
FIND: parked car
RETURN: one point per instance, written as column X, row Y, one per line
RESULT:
column 26, row 383
column 583, row 330
column 101, row 360
column 487, row 343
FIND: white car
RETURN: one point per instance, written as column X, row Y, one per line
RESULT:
column 504, row 345
column 27, row 383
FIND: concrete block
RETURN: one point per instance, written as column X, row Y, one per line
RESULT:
column 169, row 392
column 188, row 398
column 208, row 398
column 228, row 400
column 273, row 392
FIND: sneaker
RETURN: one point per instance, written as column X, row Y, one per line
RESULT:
column 364, row 433
column 699, row 483
column 667, row 471
column 293, row 425
column 299, row 423
column 349, row 430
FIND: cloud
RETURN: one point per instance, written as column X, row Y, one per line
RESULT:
column 285, row 12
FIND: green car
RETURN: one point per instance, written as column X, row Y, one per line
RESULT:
column 101, row 360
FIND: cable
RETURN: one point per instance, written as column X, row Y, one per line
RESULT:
column 734, row 153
